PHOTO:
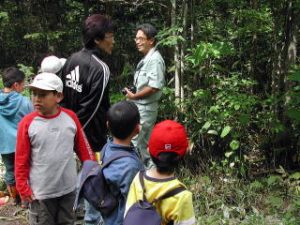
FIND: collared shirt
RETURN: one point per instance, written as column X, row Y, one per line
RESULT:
column 150, row 72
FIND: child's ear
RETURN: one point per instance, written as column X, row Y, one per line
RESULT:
column 107, row 124
column 14, row 86
column 18, row 86
column 137, row 128
column 60, row 97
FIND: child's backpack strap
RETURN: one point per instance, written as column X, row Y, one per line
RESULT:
column 170, row 193
column 118, row 156
column 111, row 159
column 166, row 195
column 141, row 177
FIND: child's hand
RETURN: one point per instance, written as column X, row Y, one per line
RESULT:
column 29, row 198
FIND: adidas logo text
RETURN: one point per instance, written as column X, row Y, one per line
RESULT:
column 72, row 80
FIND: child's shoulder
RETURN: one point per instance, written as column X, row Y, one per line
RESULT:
column 70, row 113
column 129, row 159
column 164, row 181
column 25, row 99
column 29, row 117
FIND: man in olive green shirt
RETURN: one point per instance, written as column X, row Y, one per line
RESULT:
column 149, row 80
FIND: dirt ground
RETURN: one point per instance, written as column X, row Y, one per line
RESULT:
column 13, row 215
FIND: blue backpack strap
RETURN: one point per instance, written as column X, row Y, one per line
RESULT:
column 170, row 193
column 103, row 152
column 117, row 156
column 141, row 177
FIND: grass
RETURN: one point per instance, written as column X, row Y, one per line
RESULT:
column 220, row 199
column 223, row 199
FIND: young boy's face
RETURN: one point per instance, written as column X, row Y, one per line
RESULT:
column 46, row 102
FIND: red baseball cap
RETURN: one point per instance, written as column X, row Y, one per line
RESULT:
column 168, row 136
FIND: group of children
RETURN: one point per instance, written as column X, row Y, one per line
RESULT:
column 45, row 167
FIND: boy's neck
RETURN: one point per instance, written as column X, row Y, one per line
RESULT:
column 7, row 90
column 125, row 142
column 155, row 174
column 51, row 113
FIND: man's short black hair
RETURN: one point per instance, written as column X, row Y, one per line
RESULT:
column 94, row 28
column 167, row 162
column 122, row 119
column 11, row 75
column 149, row 30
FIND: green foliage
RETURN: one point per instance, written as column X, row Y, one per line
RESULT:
column 167, row 108
column 4, row 17
column 293, row 96
column 28, row 70
column 204, row 51
column 253, row 21
column 220, row 199
column 116, row 97
column 226, row 111
column 170, row 36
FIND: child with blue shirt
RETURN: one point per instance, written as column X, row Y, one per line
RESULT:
column 123, row 122
column 13, row 107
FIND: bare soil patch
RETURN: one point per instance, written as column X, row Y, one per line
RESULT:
column 13, row 215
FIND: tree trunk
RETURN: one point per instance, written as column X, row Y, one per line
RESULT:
column 183, row 48
column 176, row 52
column 192, row 16
column 289, row 54
column 290, row 49
column 253, row 54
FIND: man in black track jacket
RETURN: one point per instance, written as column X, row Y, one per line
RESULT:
column 85, row 77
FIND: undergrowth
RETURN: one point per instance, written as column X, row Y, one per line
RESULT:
column 224, row 199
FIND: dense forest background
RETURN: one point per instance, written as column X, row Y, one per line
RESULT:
column 233, row 74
